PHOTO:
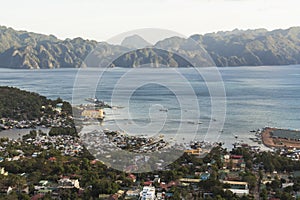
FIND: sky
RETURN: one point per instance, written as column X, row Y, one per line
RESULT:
column 103, row 19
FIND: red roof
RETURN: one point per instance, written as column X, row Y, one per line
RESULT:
column 163, row 185
column 37, row 197
column 93, row 162
column 172, row 183
column 236, row 156
column 113, row 197
column 52, row 159
column 131, row 176
column 148, row 183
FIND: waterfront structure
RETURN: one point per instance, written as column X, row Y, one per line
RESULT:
column 97, row 114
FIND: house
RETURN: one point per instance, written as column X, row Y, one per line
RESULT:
column 3, row 172
column 234, row 162
column 113, row 197
column 132, row 177
column 58, row 107
column 52, row 159
column 204, row 176
column 156, row 180
column 41, row 185
column 37, row 197
column 6, row 190
column 148, row 183
column 133, row 193
column 67, row 183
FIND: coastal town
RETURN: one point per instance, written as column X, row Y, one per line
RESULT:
column 242, row 173
column 54, row 161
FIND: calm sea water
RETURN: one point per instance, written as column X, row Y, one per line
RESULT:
column 255, row 97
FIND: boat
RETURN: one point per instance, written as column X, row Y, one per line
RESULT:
column 98, row 102
column 163, row 110
column 93, row 100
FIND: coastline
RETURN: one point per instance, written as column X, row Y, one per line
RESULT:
column 267, row 137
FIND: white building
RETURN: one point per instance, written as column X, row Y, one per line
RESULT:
column 237, row 187
column 68, row 183
column 148, row 193
column 3, row 172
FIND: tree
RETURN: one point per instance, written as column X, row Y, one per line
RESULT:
column 264, row 194
column 251, row 180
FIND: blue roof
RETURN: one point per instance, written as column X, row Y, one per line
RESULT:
column 169, row 194
column 205, row 176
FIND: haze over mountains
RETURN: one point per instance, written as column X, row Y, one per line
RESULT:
column 25, row 50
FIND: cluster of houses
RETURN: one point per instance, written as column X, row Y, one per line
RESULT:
column 68, row 145
column 7, row 123
column 136, row 144
column 55, row 120
column 46, row 187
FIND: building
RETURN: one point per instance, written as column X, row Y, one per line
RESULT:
column 3, row 172
column 132, row 177
column 58, row 107
column 148, row 193
column 234, row 162
column 189, row 180
column 237, row 187
column 195, row 152
column 67, row 183
column 133, row 193
column 42, row 185
column 6, row 190
column 204, row 176
column 97, row 114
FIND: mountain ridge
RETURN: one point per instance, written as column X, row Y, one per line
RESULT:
column 27, row 50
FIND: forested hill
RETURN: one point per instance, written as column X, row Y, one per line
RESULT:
column 26, row 50
column 20, row 105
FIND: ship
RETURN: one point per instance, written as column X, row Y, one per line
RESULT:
column 97, row 102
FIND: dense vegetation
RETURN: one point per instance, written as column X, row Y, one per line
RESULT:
column 20, row 105
column 21, row 49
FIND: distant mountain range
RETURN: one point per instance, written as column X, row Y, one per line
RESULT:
column 26, row 50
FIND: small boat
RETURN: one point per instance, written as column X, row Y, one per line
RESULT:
column 97, row 102
column 163, row 110
column 236, row 136
column 93, row 100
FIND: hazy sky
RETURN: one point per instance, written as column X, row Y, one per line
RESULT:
column 102, row 19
